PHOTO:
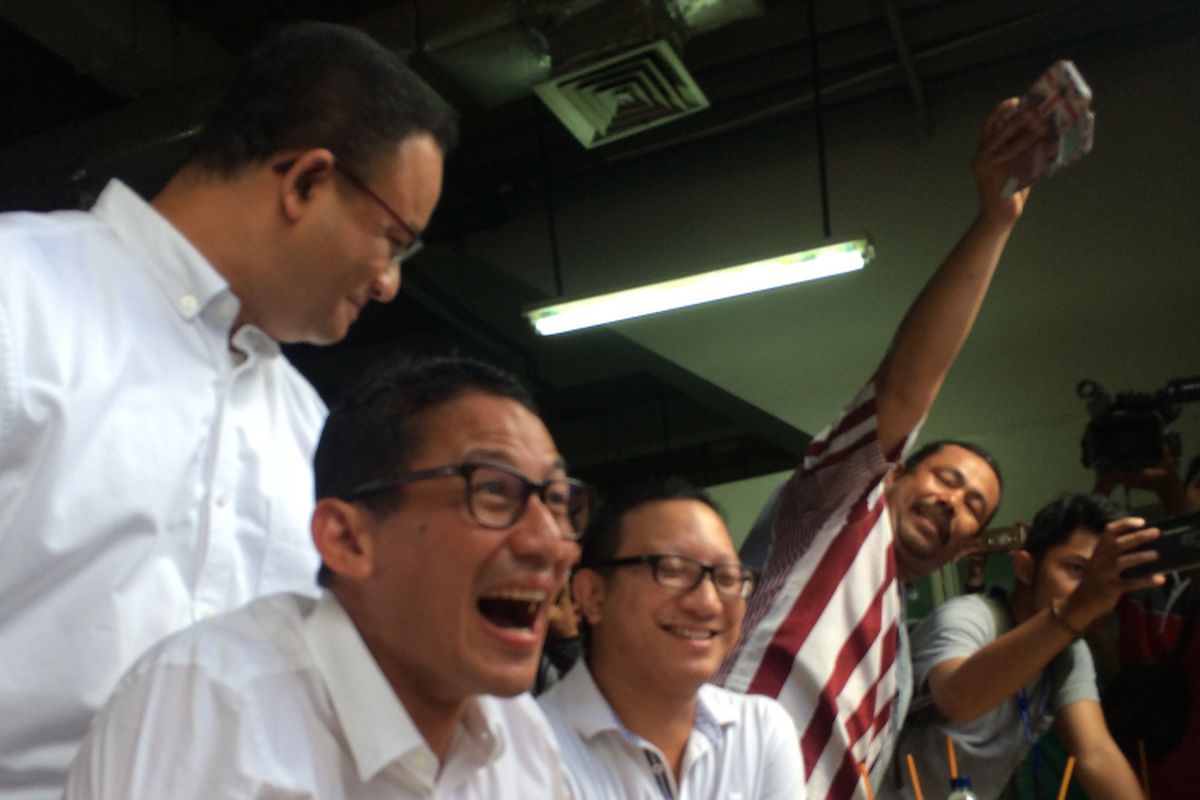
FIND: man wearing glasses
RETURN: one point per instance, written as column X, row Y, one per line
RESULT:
column 155, row 445
column 662, row 593
column 445, row 523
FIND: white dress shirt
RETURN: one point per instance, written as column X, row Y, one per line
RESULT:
column 282, row 699
column 150, row 475
column 742, row 747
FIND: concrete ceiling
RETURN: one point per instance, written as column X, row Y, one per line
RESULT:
column 98, row 88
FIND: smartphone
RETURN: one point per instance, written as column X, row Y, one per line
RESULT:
column 1063, row 101
column 1178, row 547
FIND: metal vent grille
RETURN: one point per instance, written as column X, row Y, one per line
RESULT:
column 623, row 95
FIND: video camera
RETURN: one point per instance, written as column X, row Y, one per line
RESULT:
column 1129, row 432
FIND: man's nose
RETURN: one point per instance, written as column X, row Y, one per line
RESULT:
column 385, row 287
column 537, row 535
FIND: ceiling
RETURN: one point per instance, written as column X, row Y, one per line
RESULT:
column 97, row 88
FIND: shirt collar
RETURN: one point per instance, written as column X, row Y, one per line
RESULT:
column 191, row 284
column 377, row 728
column 591, row 714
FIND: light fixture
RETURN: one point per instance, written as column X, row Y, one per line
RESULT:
column 806, row 265
column 822, row 261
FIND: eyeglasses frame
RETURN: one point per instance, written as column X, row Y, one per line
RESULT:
column 749, row 576
column 465, row 471
column 415, row 243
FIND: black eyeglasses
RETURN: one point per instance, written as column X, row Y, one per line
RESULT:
column 400, row 252
column 497, row 496
column 685, row 574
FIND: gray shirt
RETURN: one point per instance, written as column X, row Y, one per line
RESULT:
column 992, row 746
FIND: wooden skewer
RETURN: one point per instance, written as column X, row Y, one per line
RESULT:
column 866, row 776
column 912, row 773
column 1066, row 781
column 953, row 763
column 1145, row 769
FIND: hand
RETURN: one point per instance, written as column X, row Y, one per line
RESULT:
column 1102, row 584
column 1008, row 132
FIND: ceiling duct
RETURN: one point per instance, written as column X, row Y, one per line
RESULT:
column 623, row 95
column 616, row 70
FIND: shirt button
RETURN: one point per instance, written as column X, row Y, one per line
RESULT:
column 205, row 610
column 222, row 500
column 421, row 761
column 187, row 304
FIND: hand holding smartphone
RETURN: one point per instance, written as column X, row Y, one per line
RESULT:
column 1062, row 100
column 1178, row 547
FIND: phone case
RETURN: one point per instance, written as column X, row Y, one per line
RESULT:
column 1063, row 100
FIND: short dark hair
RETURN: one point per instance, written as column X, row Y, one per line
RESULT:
column 926, row 450
column 378, row 426
column 602, row 538
column 319, row 85
column 1057, row 520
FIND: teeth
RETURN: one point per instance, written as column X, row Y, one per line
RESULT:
column 692, row 633
column 534, row 596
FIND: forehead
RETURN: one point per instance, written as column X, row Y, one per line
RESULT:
column 410, row 177
column 485, row 426
column 679, row 527
column 975, row 470
column 1081, row 542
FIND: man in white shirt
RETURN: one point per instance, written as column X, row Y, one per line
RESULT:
column 662, row 594
column 445, row 522
column 155, row 446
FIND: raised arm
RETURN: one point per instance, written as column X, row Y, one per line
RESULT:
column 937, row 323
column 965, row 688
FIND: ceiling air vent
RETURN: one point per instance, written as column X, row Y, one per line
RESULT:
column 623, row 95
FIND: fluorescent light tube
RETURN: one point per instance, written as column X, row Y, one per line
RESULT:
column 819, row 262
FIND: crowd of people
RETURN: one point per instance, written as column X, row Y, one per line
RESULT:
column 179, row 619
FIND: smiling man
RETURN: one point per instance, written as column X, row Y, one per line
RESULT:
column 445, row 522
column 825, row 631
column 662, row 594
column 155, row 443
column 994, row 675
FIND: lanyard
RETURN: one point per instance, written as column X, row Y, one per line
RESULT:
column 1035, row 757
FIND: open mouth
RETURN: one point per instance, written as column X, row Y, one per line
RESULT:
column 512, row 608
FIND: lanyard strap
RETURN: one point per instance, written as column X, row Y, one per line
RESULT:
column 1035, row 757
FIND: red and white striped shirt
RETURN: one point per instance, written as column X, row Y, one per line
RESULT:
column 821, row 630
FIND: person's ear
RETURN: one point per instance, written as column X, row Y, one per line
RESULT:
column 1024, row 566
column 588, row 587
column 342, row 535
column 306, row 171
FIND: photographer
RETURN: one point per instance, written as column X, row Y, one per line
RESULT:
column 994, row 675
column 1154, row 697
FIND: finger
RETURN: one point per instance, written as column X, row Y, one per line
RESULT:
column 1122, row 526
column 1144, row 582
column 1129, row 560
column 1015, row 138
column 997, row 117
column 1128, row 541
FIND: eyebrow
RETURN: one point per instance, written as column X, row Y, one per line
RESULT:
column 506, row 458
column 972, row 492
